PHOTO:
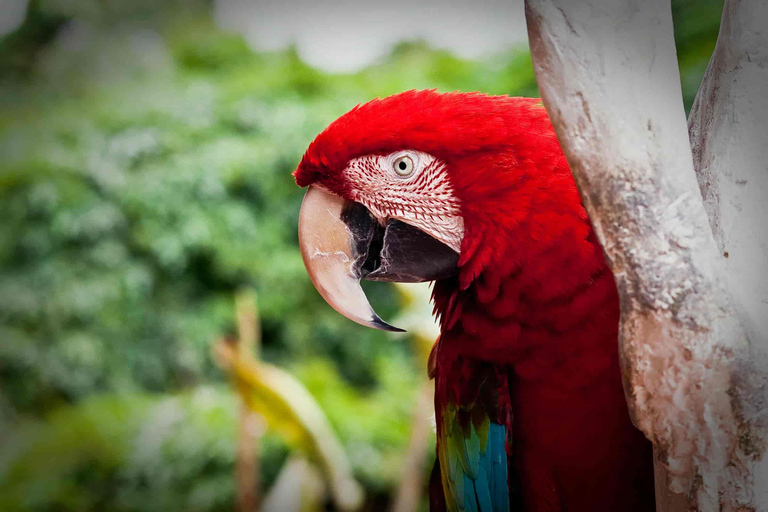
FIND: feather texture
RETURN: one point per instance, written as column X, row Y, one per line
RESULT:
column 473, row 437
column 530, row 408
column 480, row 485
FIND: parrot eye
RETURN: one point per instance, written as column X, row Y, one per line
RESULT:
column 403, row 166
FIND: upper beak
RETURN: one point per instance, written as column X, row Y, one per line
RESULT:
column 341, row 243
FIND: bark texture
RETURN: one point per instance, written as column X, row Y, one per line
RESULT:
column 728, row 129
column 607, row 71
column 729, row 136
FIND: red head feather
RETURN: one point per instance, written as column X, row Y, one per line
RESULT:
column 445, row 125
column 502, row 156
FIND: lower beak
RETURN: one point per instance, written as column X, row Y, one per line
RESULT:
column 342, row 243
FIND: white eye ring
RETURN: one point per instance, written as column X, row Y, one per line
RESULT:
column 403, row 165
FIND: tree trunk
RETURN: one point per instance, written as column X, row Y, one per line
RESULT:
column 728, row 128
column 608, row 74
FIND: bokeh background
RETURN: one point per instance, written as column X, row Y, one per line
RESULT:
column 145, row 157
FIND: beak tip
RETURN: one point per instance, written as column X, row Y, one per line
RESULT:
column 330, row 231
column 378, row 323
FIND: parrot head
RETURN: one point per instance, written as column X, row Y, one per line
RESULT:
column 423, row 186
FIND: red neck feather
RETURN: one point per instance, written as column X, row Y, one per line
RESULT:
column 526, row 230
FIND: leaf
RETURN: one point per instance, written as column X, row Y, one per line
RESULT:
column 290, row 410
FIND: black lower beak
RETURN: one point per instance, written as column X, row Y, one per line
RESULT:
column 396, row 252
column 409, row 255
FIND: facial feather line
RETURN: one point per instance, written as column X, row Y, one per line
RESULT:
column 425, row 200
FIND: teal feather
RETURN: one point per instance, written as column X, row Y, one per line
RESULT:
column 483, row 490
column 497, row 455
column 476, row 463
column 470, row 501
column 486, row 473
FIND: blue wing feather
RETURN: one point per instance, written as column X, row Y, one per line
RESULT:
column 497, row 457
column 483, row 491
column 470, row 501
column 476, row 479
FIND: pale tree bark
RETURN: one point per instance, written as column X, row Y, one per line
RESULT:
column 607, row 71
column 728, row 127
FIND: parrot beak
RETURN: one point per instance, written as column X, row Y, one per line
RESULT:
column 342, row 242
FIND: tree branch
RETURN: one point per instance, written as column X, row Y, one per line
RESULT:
column 728, row 128
column 607, row 71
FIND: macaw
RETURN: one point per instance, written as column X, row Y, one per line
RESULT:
column 473, row 192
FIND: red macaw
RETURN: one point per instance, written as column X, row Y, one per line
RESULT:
column 473, row 192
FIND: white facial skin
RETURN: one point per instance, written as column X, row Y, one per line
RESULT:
column 410, row 186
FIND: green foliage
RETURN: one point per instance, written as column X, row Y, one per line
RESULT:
column 697, row 23
column 375, row 426
column 138, row 452
column 132, row 452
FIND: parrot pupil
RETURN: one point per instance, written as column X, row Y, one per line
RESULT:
column 403, row 166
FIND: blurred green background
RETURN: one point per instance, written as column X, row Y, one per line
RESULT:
column 145, row 160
